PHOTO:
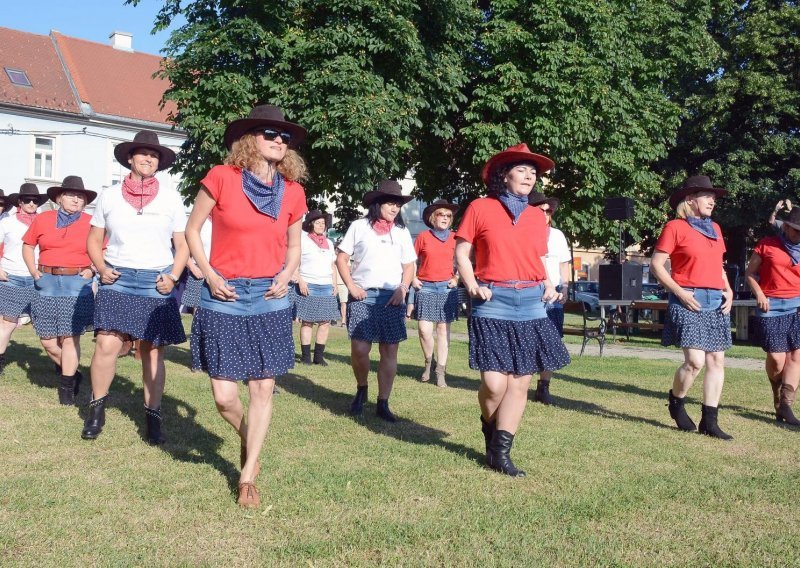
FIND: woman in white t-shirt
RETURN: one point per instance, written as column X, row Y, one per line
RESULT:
column 383, row 258
column 143, row 223
column 556, row 262
column 316, row 300
column 194, row 276
column 16, row 283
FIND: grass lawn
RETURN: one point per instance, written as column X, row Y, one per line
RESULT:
column 610, row 479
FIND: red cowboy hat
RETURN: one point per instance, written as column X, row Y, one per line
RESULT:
column 518, row 153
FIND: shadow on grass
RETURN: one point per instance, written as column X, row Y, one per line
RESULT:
column 607, row 385
column 404, row 430
column 757, row 415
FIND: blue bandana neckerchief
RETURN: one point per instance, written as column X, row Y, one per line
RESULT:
column 515, row 204
column 265, row 198
column 64, row 219
column 792, row 249
column 441, row 234
column 703, row 225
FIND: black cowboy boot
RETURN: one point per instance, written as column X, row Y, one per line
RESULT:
column 357, row 406
column 784, row 412
column 305, row 354
column 78, row 380
column 382, row 410
column 500, row 449
column 319, row 354
column 154, row 436
column 708, row 424
column 66, row 391
column 678, row 413
column 488, row 429
column 542, row 393
column 2, row 362
column 96, row 419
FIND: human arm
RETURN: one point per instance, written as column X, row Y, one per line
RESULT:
column 29, row 257
column 94, row 247
column 564, row 270
column 779, row 206
column 343, row 264
column 166, row 282
column 727, row 294
column 399, row 296
column 753, row 266
column 658, row 269
column 463, row 253
column 203, row 205
column 280, row 284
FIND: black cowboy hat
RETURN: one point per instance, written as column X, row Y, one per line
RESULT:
column 29, row 190
column 694, row 184
column 794, row 219
column 313, row 215
column 537, row 198
column 144, row 139
column 388, row 188
column 517, row 153
column 438, row 204
column 263, row 115
column 71, row 183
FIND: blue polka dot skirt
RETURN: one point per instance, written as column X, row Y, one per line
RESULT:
column 317, row 308
column 61, row 316
column 518, row 347
column 708, row 330
column 155, row 320
column 291, row 294
column 16, row 298
column 191, row 294
column 376, row 323
column 436, row 306
column 242, row 347
column 779, row 334
column 556, row 315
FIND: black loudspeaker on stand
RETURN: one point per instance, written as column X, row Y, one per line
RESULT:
column 621, row 281
column 619, row 208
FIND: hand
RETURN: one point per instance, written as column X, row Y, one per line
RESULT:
column 453, row 282
column 109, row 275
column 279, row 288
column 357, row 292
column 762, row 302
column 164, row 284
column 36, row 274
column 3, row 276
column 398, row 298
column 86, row 273
column 688, row 301
column 303, row 286
column 416, row 283
column 550, row 295
column 481, row 292
column 195, row 270
column 727, row 295
column 220, row 289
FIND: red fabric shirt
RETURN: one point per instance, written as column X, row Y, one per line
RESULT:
column 435, row 257
column 246, row 243
column 504, row 251
column 65, row 247
column 777, row 277
column 696, row 260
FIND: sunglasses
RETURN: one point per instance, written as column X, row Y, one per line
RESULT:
column 273, row 135
column 445, row 215
column 28, row 200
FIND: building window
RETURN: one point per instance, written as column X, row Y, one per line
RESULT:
column 43, row 157
column 18, row 77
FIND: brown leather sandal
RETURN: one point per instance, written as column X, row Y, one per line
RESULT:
column 248, row 495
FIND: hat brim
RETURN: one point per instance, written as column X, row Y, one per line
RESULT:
column 242, row 126
column 553, row 202
column 55, row 191
column 681, row 194
column 308, row 222
column 426, row 213
column 371, row 196
column 13, row 198
column 543, row 163
column 123, row 150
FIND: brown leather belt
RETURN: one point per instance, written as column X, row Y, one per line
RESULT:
column 63, row 271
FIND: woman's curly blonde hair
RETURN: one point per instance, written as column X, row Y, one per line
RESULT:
column 244, row 154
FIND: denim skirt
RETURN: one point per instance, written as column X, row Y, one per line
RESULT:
column 246, row 339
column 63, row 306
column 373, row 321
column 321, row 305
column 132, row 306
column 511, row 333
column 436, row 302
column 778, row 330
column 16, row 296
column 708, row 330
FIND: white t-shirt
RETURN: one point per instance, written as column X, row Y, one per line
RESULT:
column 316, row 264
column 205, row 237
column 140, row 241
column 377, row 259
column 11, row 233
column 557, row 253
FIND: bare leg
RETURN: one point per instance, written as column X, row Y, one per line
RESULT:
column 693, row 360
column 305, row 332
column 426, row 338
column 104, row 363
column 387, row 368
column 774, row 365
column 443, row 342
column 52, row 348
column 6, row 329
column 70, row 354
column 153, row 373
column 714, row 378
column 322, row 332
column 512, row 407
column 259, row 415
column 491, row 392
column 791, row 371
column 359, row 360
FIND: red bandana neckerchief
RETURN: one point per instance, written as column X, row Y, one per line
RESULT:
column 320, row 240
column 382, row 226
column 25, row 218
column 138, row 194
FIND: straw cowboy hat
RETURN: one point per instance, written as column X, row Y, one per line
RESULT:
column 71, row 183
column 144, row 139
column 518, row 153
column 264, row 115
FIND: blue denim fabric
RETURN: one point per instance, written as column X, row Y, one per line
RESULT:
column 319, row 290
column 434, row 287
column 780, row 307
column 376, row 297
column 511, row 304
column 708, row 298
column 18, row 281
column 55, row 286
column 250, row 302
column 136, row 282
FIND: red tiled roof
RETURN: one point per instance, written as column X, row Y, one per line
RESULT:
column 34, row 54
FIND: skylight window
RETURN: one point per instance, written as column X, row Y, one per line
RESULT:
column 18, row 77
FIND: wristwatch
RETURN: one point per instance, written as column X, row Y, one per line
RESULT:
column 172, row 277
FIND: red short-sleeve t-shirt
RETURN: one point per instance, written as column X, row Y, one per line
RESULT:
column 65, row 247
column 246, row 243
column 696, row 260
column 505, row 251
column 435, row 257
column 777, row 276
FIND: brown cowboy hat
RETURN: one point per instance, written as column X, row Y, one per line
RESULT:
column 71, row 183
column 794, row 219
column 537, row 198
column 264, row 115
column 438, row 204
column 28, row 190
column 386, row 187
column 518, row 153
column 694, row 184
column 144, row 139
column 313, row 215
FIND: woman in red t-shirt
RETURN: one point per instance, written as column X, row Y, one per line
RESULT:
column 436, row 285
column 698, row 317
column 64, row 304
column 242, row 331
column 773, row 275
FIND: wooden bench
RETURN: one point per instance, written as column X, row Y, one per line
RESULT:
column 624, row 320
